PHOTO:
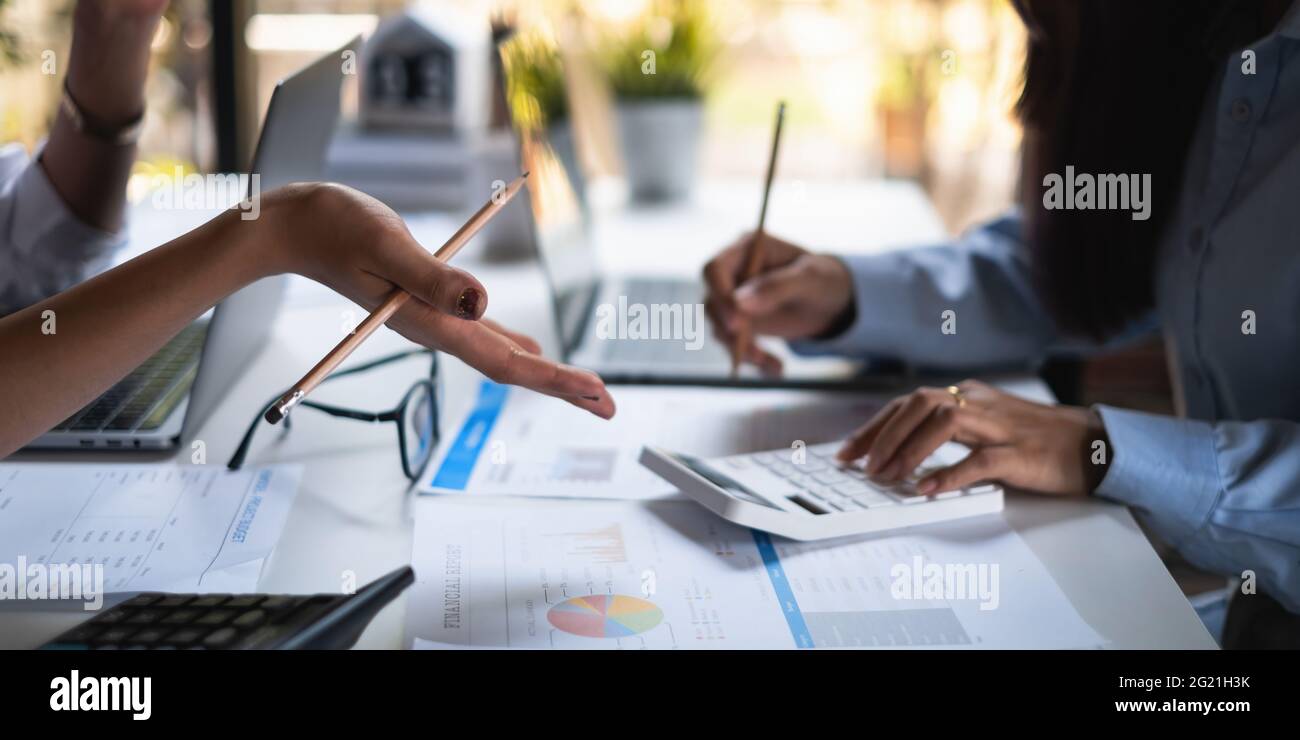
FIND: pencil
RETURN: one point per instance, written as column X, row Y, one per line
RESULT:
column 753, row 258
column 395, row 301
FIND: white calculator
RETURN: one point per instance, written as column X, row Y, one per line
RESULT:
column 808, row 495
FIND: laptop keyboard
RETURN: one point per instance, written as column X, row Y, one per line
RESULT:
column 144, row 399
column 649, row 292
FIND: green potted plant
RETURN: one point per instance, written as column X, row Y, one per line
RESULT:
column 659, row 68
column 539, row 103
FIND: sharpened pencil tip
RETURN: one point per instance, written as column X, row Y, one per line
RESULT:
column 524, row 175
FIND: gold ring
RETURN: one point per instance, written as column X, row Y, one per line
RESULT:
column 957, row 396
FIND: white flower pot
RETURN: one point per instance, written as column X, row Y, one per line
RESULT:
column 660, row 141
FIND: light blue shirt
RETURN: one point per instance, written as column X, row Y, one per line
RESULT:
column 44, row 248
column 1221, row 484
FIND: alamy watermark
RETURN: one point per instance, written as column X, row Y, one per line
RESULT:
column 41, row 581
column 193, row 191
column 919, row 580
column 1085, row 192
column 78, row 693
column 673, row 321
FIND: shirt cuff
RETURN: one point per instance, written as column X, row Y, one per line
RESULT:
column 45, row 230
column 1165, row 468
column 875, row 278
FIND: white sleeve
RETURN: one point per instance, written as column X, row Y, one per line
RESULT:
column 44, row 248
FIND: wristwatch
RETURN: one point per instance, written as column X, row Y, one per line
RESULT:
column 121, row 135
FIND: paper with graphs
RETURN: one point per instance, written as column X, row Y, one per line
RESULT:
column 536, row 574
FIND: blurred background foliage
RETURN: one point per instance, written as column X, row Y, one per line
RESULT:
column 535, row 79
column 669, row 50
column 913, row 89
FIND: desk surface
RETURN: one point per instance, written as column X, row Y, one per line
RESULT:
column 352, row 514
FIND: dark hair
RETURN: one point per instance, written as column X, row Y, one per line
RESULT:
column 1114, row 87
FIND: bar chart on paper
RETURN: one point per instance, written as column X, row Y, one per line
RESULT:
column 667, row 575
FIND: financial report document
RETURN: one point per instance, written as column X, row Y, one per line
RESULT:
column 514, row 442
column 149, row 527
column 666, row 574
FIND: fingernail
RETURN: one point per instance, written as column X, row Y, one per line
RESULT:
column 744, row 294
column 467, row 304
column 926, row 487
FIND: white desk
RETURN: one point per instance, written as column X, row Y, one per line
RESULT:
column 352, row 510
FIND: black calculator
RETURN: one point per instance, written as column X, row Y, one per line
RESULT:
column 165, row 621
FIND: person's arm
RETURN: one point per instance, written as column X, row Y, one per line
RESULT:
column 891, row 305
column 106, row 73
column 1226, row 494
column 61, row 215
column 902, row 301
column 964, row 305
column 106, row 326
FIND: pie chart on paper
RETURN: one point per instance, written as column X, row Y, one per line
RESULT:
column 605, row 616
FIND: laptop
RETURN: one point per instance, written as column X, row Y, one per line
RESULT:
column 641, row 329
column 167, row 398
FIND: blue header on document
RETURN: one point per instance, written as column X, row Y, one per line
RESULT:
column 784, row 594
column 458, row 465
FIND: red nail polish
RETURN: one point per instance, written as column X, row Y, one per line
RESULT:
column 467, row 304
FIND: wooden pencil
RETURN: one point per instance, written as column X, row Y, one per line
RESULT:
column 390, row 306
column 753, row 257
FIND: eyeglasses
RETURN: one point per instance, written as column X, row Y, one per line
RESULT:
column 416, row 416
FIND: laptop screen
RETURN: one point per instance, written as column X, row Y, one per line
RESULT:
column 558, row 221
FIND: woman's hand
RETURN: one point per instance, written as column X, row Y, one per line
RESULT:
column 359, row 247
column 1048, row 449
column 796, row 295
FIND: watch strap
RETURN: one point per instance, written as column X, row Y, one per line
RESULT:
column 119, row 135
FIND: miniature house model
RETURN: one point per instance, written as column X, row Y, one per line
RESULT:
column 427, row 69
column 424, row 139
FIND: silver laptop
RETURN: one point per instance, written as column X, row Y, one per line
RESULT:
column 641, row 329
column 165, row 400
